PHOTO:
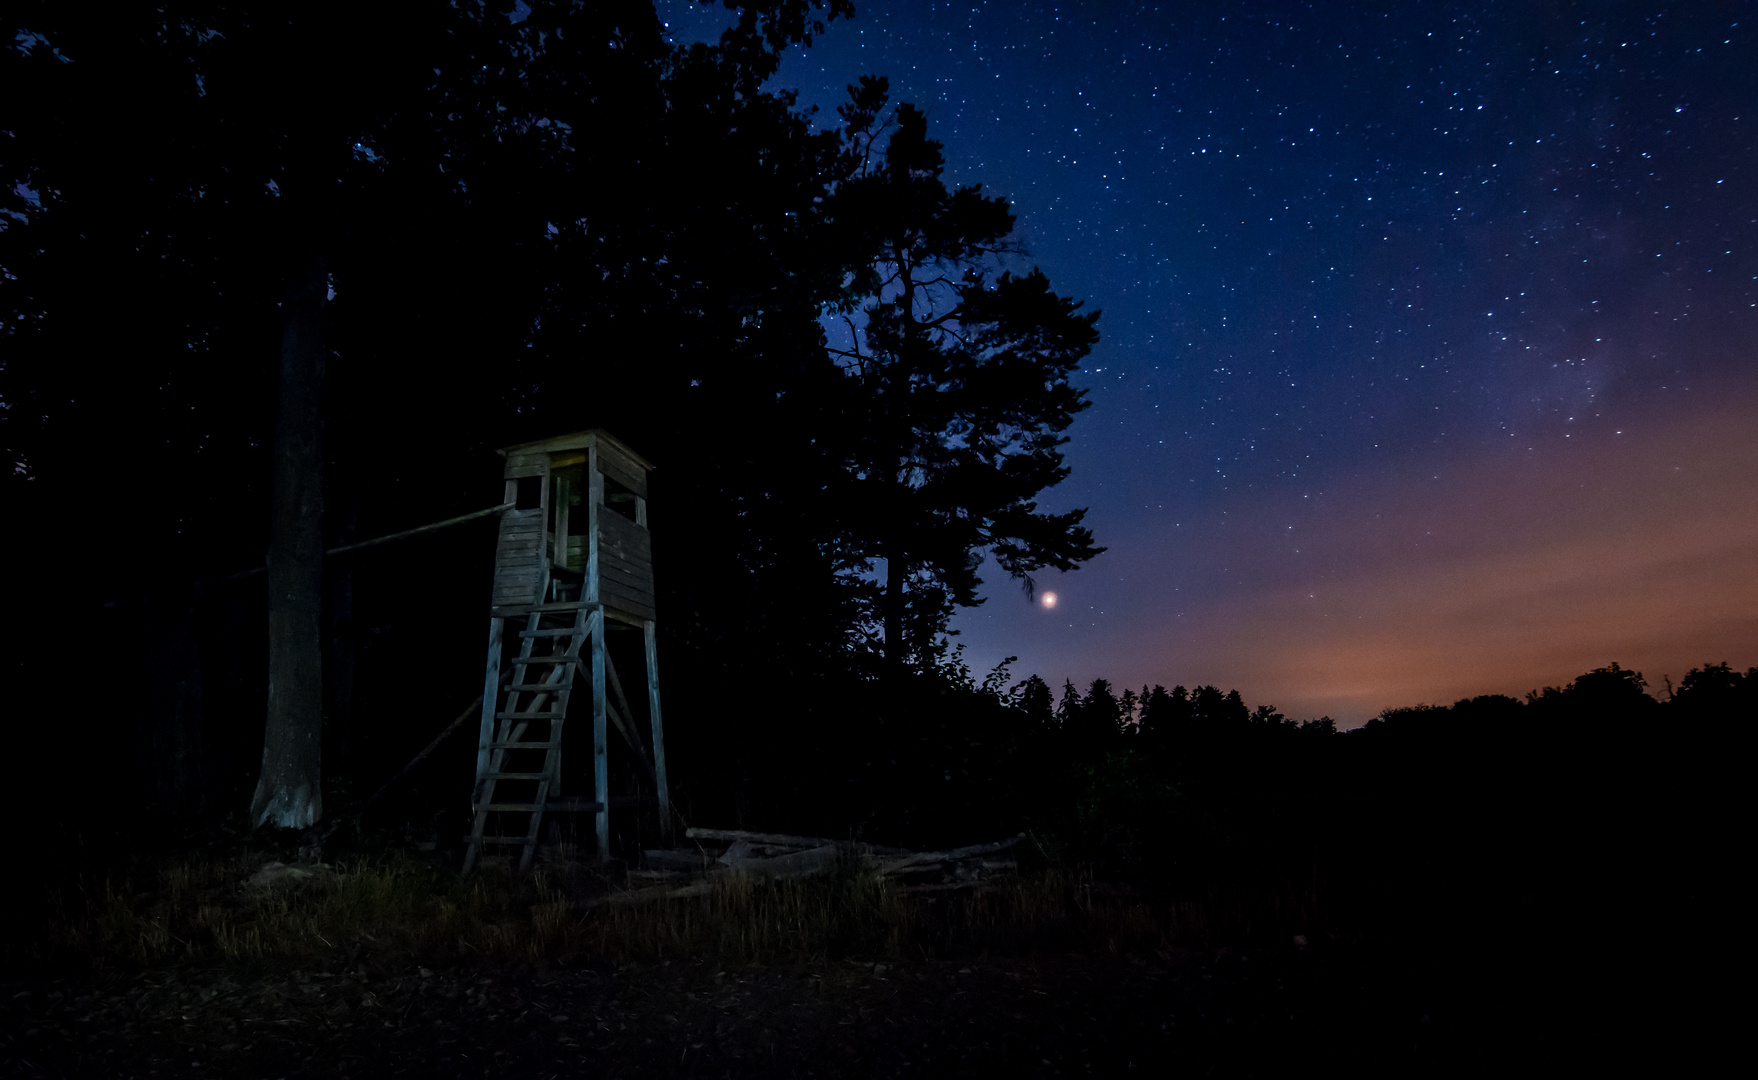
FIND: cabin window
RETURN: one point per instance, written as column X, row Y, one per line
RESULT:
column 619, row 498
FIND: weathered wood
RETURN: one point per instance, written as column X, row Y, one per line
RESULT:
column 793, row 864
column 650, row 639
column 490, row 691
column 632, row 580
column 619, row 463
column 633, row 482
column 638, row 586
column 419, row 530
column 623, row 534
column 519, row 558
column 600, row 718
column 521, row 456
column 536, row 824
column 633, row 610
column 612, row 554
column 769, row 839
column 925, row 859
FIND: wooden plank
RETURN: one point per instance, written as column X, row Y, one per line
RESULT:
column 577, row 440
column 527, row 459
column 618, row 531
column 615, row 463
column 659, row 782
column 631, row 571
column 629, row 581
column 600, row 720
column 594, row 512
column 640, row 579
column 490, row 688
column 518, row 558
column 605, row 438
column 638, row 608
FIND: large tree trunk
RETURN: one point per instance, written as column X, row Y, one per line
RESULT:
column 289, row 793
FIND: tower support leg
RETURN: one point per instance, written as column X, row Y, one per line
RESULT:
column 664, row 789
column 600, row 737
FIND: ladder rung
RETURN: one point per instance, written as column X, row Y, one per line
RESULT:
column 519, row 775
column 505, row 807
column 540, row 688
column 523, row 745
column 529, row 715
column 559, row 631
column 546, row 659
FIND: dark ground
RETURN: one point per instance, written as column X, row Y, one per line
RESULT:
column 1337, row 1007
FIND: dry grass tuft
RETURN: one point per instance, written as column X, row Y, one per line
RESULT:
column 396, row 909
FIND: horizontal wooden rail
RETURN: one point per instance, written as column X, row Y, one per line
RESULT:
column 377, row 540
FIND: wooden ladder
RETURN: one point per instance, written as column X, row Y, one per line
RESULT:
column 528, row 720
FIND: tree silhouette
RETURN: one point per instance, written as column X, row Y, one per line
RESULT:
column 959, row 377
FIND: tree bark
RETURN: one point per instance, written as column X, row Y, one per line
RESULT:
column 289, row 793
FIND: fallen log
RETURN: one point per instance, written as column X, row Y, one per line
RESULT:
column 783, row 840
column 921, row 860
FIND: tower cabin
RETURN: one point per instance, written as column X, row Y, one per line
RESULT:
column 573, row 582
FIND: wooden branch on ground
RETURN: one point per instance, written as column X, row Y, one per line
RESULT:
column 782, row 856
column 784, row 840
column 922, row 860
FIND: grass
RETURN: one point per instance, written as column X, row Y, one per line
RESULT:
column 395, row 908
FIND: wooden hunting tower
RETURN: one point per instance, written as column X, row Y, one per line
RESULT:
column 574, row 560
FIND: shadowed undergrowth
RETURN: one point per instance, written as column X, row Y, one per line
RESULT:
column 397, row 909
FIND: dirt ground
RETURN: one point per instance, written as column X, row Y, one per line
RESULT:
column 1228, row 1013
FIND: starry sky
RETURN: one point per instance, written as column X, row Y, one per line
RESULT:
column 1428, row 363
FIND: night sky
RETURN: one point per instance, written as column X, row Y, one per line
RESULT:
column 1428, row 341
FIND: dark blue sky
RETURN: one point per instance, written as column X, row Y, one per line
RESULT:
column 1427, row 363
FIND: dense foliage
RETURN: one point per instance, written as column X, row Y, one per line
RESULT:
column 497, row 224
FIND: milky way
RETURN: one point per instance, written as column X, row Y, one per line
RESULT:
column 1427, row 363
